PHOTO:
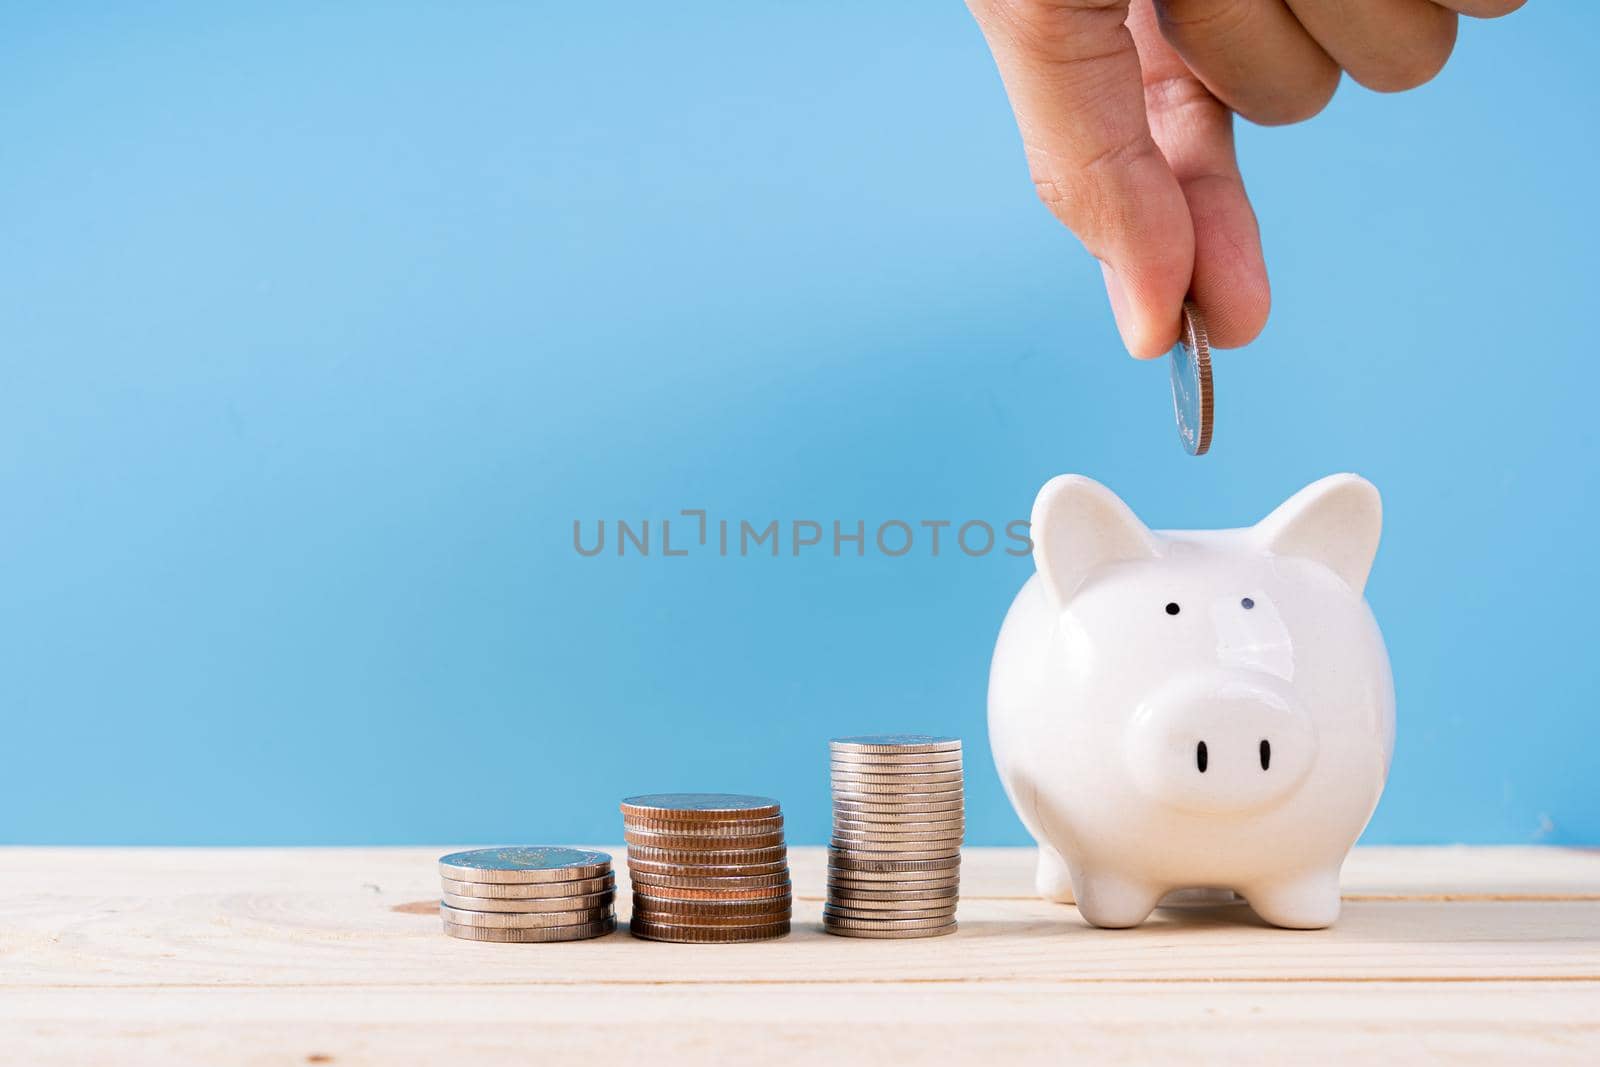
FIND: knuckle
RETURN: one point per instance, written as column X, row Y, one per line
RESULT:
column 1083, row 197
column 1053, row 29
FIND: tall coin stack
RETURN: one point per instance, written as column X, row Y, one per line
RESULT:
column 531, row 893
column 894, row 868
column 707, row 867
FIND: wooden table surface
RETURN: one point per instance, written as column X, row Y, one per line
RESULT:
column 335, row 956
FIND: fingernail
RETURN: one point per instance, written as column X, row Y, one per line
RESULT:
column 1119, row 305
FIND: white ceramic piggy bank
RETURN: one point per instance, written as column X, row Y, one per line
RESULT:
column 1174, row 710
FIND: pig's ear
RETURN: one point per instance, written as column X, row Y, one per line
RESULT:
column 1335, row 521
column 1078, row 526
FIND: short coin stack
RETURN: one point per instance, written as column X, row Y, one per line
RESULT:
column 894, row 868
column 707, row 867
column 529, row 893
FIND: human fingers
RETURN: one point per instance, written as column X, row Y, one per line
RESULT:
column 1253, row 55
column 1195, row 133
column 1386, row 45
column 1072, row 72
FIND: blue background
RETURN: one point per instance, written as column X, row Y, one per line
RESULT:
column 322, row 323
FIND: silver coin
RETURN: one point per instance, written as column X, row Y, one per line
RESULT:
column 530, row 935
column 845, row 852
column 891, row 883
column 892, row 743
column 932, row 922
column 573, row 887
column 867, row 902
column 699, row 807
column 890, row 824
column 872, row 777
column 525, row 905
column 944, row 809
column 517, row 920
column 1193, row 401
column 895, row 760
column 898, row 827
column 906, row 792
column 889, row 935
column 859, row 839
column 839, row 910
column 901, row 863
column 894, row 898
column 524, row 863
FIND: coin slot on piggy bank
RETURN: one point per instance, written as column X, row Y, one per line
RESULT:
column 1182, row 710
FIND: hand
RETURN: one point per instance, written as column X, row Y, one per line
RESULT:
column 1126, row 113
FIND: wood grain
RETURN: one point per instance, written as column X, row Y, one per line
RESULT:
column 276, row 955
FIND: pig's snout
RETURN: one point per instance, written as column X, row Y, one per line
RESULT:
column 1221, row 742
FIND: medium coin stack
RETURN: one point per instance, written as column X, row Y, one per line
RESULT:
column 707, row 867
column 894, row 868
column 530, row 893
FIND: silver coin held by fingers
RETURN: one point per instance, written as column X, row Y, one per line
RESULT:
column 1193, row 404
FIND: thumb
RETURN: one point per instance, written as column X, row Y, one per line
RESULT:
column 1072, row 73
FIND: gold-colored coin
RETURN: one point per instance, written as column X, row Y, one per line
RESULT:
column 679, row 842
column 720, row 828
column 694, row 881
column 699, row 807
column 667, row 892
column 707, row 935
column 735, row 906
column 707, row 870
column 700, row 857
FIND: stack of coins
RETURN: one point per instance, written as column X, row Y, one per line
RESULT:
column 707, row 867
column 894, row 868
column 531, row 893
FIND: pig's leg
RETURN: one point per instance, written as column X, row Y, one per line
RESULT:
column 1052, row 880
column 1114, row 901
column 1306, row 901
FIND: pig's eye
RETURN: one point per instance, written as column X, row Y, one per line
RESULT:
column 1247, row 603
column 1172, row 609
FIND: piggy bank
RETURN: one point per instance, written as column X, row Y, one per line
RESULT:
column 1173, row 710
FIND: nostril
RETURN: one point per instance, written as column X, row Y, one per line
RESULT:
column 1200, row 757
column 1266, row 753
